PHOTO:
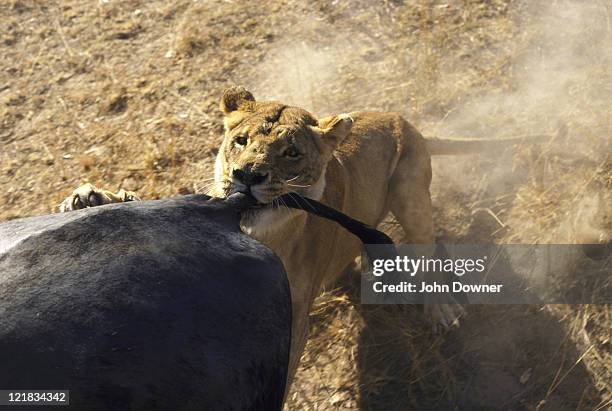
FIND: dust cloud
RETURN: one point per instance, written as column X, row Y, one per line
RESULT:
column 493, row 69
column 545, row 69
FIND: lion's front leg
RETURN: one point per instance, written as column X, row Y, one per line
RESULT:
column 88, row 195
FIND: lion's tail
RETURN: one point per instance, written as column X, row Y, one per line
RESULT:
column 442, row 146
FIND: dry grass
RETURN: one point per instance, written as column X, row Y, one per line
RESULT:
column 124, row 94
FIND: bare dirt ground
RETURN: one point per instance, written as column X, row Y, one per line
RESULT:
column 123, row 94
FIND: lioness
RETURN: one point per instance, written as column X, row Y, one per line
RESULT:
column 365, row 164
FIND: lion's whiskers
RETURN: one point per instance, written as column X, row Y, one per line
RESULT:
column 207, row 185
column 292, row 179
column 300, row 197
column 203, row 188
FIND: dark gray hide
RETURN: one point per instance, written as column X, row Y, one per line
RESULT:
column 145, row 305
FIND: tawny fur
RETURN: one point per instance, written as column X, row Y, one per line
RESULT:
column 365, row 164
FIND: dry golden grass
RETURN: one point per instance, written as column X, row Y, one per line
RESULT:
column 123, row 94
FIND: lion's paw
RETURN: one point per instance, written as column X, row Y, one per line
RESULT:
column 88, row 195
column 444, row 316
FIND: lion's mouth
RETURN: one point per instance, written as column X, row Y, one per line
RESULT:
column 264, row 196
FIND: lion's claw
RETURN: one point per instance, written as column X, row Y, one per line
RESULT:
column 444, row 316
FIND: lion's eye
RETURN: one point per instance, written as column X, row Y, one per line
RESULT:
column 291, row 152
column 241, row 140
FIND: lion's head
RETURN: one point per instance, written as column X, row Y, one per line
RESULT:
column 271, row 149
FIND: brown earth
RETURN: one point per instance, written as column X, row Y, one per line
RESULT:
column 123, row 94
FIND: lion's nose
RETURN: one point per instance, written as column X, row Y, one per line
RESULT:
column 249, row 178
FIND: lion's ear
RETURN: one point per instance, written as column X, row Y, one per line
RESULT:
column 234, row 98
column 333, row 130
